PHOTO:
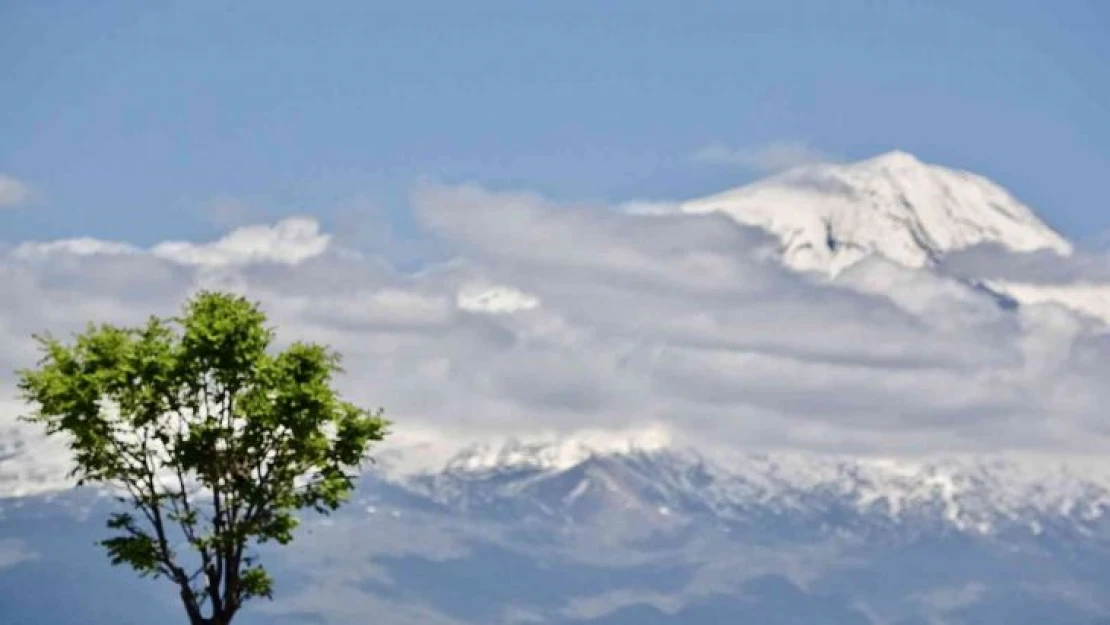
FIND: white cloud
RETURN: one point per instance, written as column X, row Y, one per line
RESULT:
column 768, row 158
column 13, row 192
column 494, row 299
column 83, row 246
column 1079, row 281
column 609, row 321
column 646, row 207
column 290, row 241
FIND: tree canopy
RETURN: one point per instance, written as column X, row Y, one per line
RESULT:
column 214, row 441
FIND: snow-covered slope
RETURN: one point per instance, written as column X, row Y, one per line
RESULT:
column 831, row 216
column 30, row 463
column 1086, row 298
column 570, row 479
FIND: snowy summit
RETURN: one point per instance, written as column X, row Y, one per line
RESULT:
column 829, row 217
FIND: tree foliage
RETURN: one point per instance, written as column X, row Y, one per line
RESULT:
column 215, row 442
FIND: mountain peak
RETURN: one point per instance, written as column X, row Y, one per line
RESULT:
column 828, row 217
column 895, row 159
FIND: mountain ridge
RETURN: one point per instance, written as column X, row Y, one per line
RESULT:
column 980, row 494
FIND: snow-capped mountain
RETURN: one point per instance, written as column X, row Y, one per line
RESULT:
column 828, row 217
column 635, row 528
column 572, row 479
column 570, row 532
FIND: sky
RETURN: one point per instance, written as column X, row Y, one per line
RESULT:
column 441, row 191
column 146, row 121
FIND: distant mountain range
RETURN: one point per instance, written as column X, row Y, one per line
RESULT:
column 567, row 535
column 642, row 531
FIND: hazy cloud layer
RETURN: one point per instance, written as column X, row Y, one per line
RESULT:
column 553, row 318
column 772, row 157
column 13, row 552
column 996, row 262
column 13, row 191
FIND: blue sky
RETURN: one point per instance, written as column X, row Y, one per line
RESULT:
column 143, row 121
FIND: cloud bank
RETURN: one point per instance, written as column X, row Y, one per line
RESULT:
column 551, row 319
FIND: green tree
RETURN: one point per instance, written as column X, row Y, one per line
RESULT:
column 213, row 441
